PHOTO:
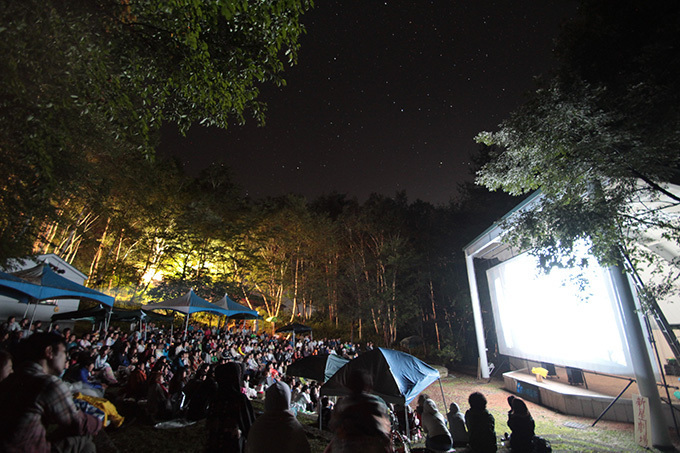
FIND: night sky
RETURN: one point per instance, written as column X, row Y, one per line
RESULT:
column 386, row 96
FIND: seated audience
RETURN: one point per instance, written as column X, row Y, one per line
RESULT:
column 34, row 396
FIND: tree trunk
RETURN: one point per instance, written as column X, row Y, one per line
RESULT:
column 434, row 316
column 97, row 255
column 295, row 284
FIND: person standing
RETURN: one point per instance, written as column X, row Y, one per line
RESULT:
column 230, row 414
column 360, row 421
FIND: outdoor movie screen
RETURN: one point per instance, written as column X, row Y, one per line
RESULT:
column 567, row 317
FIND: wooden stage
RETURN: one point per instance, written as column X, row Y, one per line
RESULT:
column 587, row 400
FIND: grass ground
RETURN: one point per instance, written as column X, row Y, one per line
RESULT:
column 135, row 435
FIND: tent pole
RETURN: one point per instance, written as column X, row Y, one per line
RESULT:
column 408, row 430
column 108, row 319
column 441, row 387
column 33, row 315
column 186, row 326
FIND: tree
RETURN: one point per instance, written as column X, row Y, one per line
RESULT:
column 90, row 80
column 601, row 134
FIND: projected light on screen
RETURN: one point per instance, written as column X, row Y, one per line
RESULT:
column 549, row 318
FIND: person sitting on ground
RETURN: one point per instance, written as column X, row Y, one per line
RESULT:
column 303, row 401
column 522, row 425
column 434, row 424
column 325, row 411
column 12, row 324
column 34, row 396
column 81, row 375
column 406, row 417
column 200, row 391
column 102, row 367
column 360, row 421
column 158, row 403
column 136, row 386
column 480, row 424
column 277, row 429
column 457, row 426
column 72, row 343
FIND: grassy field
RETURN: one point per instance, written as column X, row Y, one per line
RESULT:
column 135, row 435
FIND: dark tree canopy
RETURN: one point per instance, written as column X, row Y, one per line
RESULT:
column 603, row 132
column 86, row 82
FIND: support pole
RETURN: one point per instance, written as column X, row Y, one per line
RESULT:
column 408, row 428
column 477, row 314
column 186, row 326
column 630, row 382
column 639, row 354
column 35, row 307
column 443, row 398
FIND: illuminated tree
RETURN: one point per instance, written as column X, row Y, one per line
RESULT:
column 86, row 81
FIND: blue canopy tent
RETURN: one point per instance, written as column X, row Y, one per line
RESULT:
column 236, row 310
column 17, row 288
column 42, row 283
column 187, row 304
column 51, row 285
column 398, row 377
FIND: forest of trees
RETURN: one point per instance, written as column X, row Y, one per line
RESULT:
column 381, row 270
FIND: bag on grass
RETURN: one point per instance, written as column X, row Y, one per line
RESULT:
column 540, row 445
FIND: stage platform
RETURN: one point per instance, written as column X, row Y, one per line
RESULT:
column 587, row 400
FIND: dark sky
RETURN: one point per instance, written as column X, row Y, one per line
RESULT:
column 386, row 96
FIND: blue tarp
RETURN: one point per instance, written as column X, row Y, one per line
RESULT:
column 397, row 377
column 42, row 283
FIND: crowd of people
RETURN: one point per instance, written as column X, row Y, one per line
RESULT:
column 212, row 375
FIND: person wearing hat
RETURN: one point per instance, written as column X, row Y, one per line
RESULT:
column 434, row 424
column 277, row 429
column 457, row 426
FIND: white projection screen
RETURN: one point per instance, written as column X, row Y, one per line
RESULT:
column 552, row 318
